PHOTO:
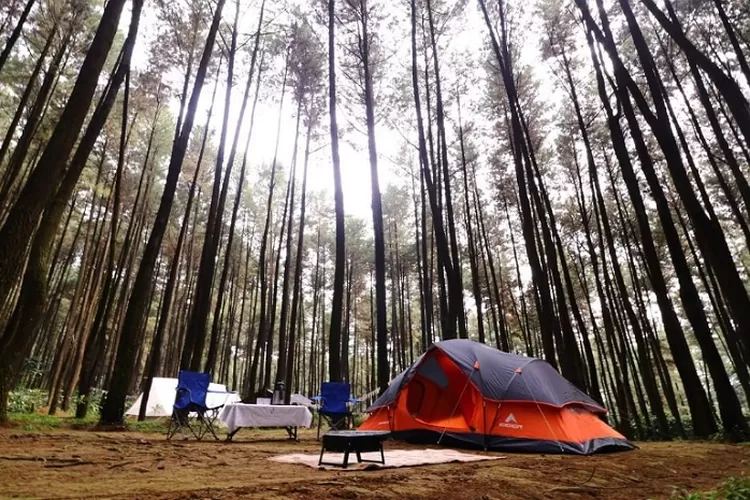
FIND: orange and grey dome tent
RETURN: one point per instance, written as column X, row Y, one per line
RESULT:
column 463, row 393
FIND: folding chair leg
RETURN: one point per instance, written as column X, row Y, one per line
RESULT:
column 178, row 422
column 172, row 429
column 199, row 429
column 195, row 432
column 211, row 416
column 208, row 427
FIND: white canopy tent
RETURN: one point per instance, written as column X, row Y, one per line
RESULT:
column 294, row 399
column 299, row 399
column 161, row 398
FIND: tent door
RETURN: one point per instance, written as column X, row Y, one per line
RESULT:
column 415, row 398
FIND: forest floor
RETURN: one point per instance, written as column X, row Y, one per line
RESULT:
column 70, row 463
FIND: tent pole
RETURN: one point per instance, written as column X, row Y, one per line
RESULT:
column 458, row 401
column 562, row 450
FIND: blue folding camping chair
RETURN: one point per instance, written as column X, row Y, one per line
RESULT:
column 334, row 402
column 190, row 404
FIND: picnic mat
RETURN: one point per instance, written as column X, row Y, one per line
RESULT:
column 393, row 459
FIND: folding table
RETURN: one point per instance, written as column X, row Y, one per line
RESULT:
column 236, row 416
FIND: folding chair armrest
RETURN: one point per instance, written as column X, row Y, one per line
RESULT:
column 183, row 389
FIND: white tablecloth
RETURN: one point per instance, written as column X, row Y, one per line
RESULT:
column 238, row 415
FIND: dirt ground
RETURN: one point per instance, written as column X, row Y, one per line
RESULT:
column 89, row 464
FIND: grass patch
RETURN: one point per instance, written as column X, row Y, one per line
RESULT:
column 37, row 422
column 734, row 488
column 40, row 422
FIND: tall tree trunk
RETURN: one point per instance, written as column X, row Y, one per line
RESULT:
column 334, row 337
column 195, row 337
column 297, row 291
column 105, row 296
column 289, row 222
column 448, row 327
column 314, row 368
column 13, row 38
column 95, row 351
column 346, row 339
column 263, row 329
column 89, row 265
column 425, row 320
column 709, row 234
column 31, row 304
column 227, row 177
column 548, row 321
column 455, row 281
column 502, row 338
column 470, row 233
column 703, row 424
column 728, row 88
column 377, row 207
column 19, row 227
column 21, row 149
column 10, row 132
column 114, row 406
column 164, row 311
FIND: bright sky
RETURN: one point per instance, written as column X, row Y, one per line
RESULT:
column 353, row 145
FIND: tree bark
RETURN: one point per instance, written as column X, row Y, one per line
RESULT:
column 13, row 38
column 377, row 207
column 334, row 337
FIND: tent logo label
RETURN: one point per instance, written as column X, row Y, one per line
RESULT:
column 510, row 422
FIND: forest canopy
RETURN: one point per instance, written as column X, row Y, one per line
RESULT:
column 302, row 191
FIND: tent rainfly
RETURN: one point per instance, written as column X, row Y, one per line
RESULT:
column 467, row 394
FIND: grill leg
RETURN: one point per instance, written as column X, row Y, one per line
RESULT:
column 376, row 461
column 320, row 460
